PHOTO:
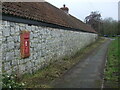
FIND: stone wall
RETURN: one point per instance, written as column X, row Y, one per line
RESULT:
column 0, row 56
column 46, row 44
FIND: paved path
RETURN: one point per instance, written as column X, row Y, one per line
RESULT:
column 87, row 73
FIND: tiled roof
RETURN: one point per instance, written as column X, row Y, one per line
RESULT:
column 43, row 11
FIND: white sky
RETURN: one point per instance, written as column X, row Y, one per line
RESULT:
column 82, row 8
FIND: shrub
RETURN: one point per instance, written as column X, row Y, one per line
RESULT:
column 9, row 81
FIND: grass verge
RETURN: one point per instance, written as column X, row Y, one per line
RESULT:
column 112, row 67
column 42, row 78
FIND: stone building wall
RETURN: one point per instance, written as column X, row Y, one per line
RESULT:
column 46, row 44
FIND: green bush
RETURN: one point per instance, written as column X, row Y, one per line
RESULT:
column 9, row 81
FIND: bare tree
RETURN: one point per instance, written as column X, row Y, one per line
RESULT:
column 94, row 19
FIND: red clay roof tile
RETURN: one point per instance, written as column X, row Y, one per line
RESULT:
column 43, row 11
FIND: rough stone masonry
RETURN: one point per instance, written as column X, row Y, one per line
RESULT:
column 46, row 45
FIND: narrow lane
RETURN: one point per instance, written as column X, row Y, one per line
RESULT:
column 87, row 73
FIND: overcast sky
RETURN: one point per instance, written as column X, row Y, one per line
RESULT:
column 82, row 8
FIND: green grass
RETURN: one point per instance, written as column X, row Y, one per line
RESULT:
column 112, row 68
column 43, row 78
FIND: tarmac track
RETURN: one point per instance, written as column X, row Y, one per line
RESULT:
column 88, row 73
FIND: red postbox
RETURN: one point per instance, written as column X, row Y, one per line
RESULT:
column 25, row 44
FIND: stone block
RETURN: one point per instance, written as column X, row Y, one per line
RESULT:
column 17, row 45
column 12, row 24
column 4, row 39
column 9, row 39
column 21, row 69
column 16, row 28
column 12, row 30
column 31, row 36
column 10, row 45
column 4, row 47
column 9, row 56
column 14, row 62
column 17, row 53
column 28, row 27
column 4, row 23
column 15, row 38
column 6, row 31
column 35, row 35
column 7, row 66
column 21, row 61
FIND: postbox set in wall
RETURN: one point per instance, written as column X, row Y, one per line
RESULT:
column 25, row 44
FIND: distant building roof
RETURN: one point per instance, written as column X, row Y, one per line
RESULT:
column 44, row 11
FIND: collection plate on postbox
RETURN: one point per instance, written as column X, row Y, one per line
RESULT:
column 25, row 43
